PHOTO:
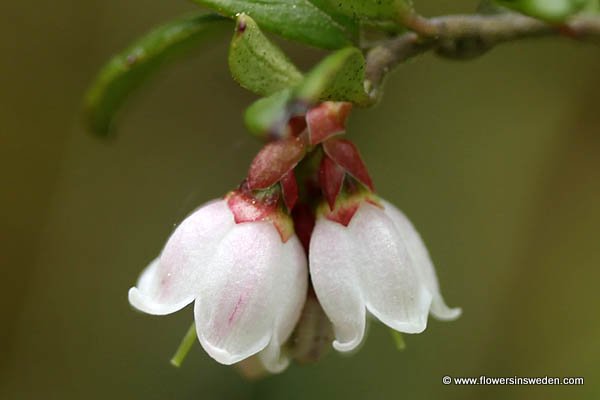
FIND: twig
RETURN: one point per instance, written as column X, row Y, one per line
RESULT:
column 465, row 36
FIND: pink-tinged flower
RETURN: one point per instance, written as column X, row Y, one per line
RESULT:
column 365, row 255
column 241, row 263
column 243, row 259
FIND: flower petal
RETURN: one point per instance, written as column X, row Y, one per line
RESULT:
column 422, row 261
column 393, row 289
column 139, row 298
column 290, row 288
column 172, row 281
column 336, row 282
column 365, row 265
column 251, row 295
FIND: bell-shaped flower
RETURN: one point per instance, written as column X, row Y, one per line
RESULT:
column 365, row 255
column 246, row 271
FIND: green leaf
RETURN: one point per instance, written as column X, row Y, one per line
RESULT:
column 298, row 20
column 548, row 10
column 269, row 115
column 368, row 9
column 592, row 7
column 256, row 63
column 339, row 77
column 128, row 70
column 348, row 21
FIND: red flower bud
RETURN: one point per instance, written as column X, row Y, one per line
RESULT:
column 289, row 188
column 326, row 120
column 331, row 178
column 274, row 161
column 346, row 155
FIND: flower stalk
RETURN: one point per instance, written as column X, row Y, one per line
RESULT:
column 184, row 347
column 398, row 340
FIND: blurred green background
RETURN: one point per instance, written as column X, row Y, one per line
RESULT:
column 496, row 161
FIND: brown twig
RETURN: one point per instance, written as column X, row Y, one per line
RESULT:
column 465, row 36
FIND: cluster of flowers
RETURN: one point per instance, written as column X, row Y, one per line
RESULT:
column 304, row 231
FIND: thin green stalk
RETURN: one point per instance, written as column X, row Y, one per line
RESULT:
column 184, row 347
column 398, row 339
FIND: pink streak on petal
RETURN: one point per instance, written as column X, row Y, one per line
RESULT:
column 235, row 310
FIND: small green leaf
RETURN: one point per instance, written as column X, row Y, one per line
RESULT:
column 368, row 9
column 256, row 63
column 298, row 20
column 269, row 115
column 128, row 70
column 548, row 10
column 339, row 77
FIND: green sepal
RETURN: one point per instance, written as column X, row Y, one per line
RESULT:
column 547, row 10
column 298, row 20
column 256, row 63
column 129, row 69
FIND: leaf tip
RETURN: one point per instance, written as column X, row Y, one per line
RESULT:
column 241, row 23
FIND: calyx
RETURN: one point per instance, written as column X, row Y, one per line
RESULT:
column 271, row 190
column 249, row 206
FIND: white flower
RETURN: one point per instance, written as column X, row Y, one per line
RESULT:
column 377, row 263
column 249, row 285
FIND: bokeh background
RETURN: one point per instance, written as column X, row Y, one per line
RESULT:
column 496, row 160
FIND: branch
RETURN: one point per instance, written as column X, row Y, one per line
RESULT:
column 464, row 37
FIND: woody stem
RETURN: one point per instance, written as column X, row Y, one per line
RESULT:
column 466, row 36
